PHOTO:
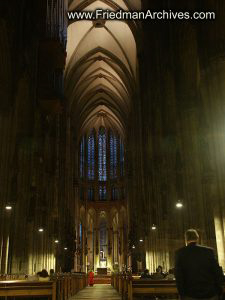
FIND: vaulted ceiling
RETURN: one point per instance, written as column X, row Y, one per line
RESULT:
column 100, row 74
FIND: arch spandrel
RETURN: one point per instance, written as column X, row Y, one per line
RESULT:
column 76, row 33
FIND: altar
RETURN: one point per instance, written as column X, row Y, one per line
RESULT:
column 101, row 271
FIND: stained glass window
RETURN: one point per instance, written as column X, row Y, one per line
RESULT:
column 90, row 194
column 91, row 156
column 82, row 157
column 121, row 158
column 81, row 232
column 102, row 192
column 113, row 155
column 115, row 193
column 102, row 155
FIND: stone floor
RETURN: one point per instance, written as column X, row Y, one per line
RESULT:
column 97, row 292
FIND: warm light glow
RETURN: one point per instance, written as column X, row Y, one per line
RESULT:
column 40, row 229
column 133, row 247
column 155, row 254
column 141, row 240
column 50, row 262
column 219, row 230
column 179, row 204
column 65, row 248
column 8, row 207
column 153, row 227
column 56, row 241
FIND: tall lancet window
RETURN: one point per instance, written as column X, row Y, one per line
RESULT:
column 121, row 158
column 91, row 156
column 102, row 155
column 113, row 155
column 82, row 142
column 102, row 192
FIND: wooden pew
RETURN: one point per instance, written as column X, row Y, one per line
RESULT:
column 22, row 288
column 119, row 282
column 147, row 287
column 70, row 284
column 124, row 289
column 112, row 275
column 114, row 281
column 62, row 287
column 151, row 288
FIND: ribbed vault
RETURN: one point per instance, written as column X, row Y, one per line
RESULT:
column 113, row 4
column 100, row 75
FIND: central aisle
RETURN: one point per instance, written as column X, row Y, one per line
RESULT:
column 97, row 292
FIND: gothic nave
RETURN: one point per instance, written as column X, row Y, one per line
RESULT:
column 112, row 135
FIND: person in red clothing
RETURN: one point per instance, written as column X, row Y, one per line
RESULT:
column 91, row 278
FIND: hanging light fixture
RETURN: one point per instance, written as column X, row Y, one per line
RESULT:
column 141, row 240
column 153, row 227
column 8, row 207
column 65, row 248
column 40, row 229
column 56, row 241
column 133, row 247
column 179, row 204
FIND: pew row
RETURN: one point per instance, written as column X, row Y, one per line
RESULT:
column 61, row 288
column 151, row 289
column 129, row 287
column 23, row 288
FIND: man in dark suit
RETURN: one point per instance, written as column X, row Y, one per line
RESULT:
column 198, row 274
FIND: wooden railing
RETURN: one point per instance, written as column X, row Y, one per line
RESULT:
column 120, row 283
column 62, row 287
column 68, row 285
column 129, row 286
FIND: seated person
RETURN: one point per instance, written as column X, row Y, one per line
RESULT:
column 43, row 275
column 158, row 274
column 145, row 274
column 52, row 274
column 170, row 275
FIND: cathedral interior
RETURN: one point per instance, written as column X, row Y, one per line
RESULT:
column 112, row 135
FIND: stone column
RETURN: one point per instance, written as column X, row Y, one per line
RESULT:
column 213, row 157
column 219, row 221
column 109, row 248
column 5, row 244
column 84, row 239
column 90, row 249
column 96, row 248
column 115, row 249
